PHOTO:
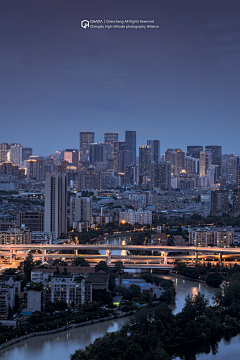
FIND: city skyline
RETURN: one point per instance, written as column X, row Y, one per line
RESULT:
column 178, row 83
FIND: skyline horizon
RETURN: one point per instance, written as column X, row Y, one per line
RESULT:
column 180, row 81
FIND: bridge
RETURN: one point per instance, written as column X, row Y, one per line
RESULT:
column 51, row 251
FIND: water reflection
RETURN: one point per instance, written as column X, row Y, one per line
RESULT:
column 60, row 345
column 184, row 287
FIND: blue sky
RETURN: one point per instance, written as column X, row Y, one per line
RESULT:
column 179, row 83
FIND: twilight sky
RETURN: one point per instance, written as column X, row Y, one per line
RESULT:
column 179, row 83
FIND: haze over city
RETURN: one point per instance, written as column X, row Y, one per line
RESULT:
column 119, row 179
column 178, row 83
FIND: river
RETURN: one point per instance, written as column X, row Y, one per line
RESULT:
column 61, row 345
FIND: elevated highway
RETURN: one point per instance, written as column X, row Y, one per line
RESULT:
column 52, row 251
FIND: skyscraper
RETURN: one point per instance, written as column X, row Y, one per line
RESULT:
column 97, row 153
column 71, row 156
column 155, row 150
column 80, row 208
column 26, row 153
column 176, row 158
column 219, row 202
column 119, row 151
column 4, row 147
column 130, row 148
column 160, row 175
column 238, row 172
column 86, row 138
column 205, row 162
column 144, row 159
column 55, row 208
column 109, row 139
column 194, row 151
column 216, row 158
column 16, row 154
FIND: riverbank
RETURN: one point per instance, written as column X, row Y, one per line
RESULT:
column 61, row 344
column 188, row 278
column 62, row 328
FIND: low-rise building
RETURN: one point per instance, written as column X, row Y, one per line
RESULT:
column 220, row 237
column 64, row 288
column 132, row 217
column 15, row 236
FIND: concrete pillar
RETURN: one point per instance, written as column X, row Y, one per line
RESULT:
column 44, row 252
column 196, row 257
column 109, row 260
column 164, row 254
column 11, row 256
column 220, row 259
column 75, row 253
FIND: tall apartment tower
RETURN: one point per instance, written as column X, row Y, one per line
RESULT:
column 160, row 176
column 16, row 154
column 205, row 162
column 130, row 148
column 4, row 147
column 96, row 154
column 86, row 138
column 71, row 156
column 176, row 158
column 80, row 208
column 194, row 151
column 55, row 209
column 119, row 151
column 216, row 158
column 219, row 202
column 238, row 172
column 26, row 153
column 144, row 159
column 109, row 140
column 155, row 150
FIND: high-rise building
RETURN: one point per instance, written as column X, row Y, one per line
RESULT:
column 194, row 151
column 86, row 138
column 4, row 147
column 191, row 165
column 219, row 202
column 109, row 140
column 33, row 220
column 132, row 173
column 238, row 172
column 16, row 154
column 160, row 176
column 55, row 208
column 155, row 150
column 80, row 208
column 71, row 156
column 59, row 155
column 176, row 158
column 119, row 150
column 97, row 154
column 235, row 206
column 144, row 159
column 31, row 169
column 205, row 162
column 90, row 179
column 26, row 153
column 130, row 148
column 216, row 158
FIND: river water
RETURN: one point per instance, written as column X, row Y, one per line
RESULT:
column 61, row 345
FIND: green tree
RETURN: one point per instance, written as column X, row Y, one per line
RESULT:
column 80, row 262
column 214, row 279
column 102, row 266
